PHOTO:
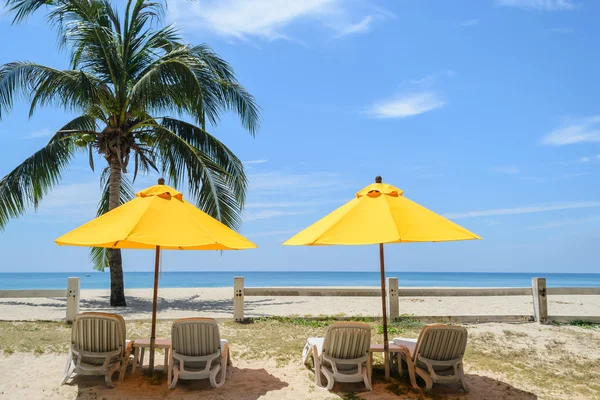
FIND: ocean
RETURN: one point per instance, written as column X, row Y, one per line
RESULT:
column 135, row 280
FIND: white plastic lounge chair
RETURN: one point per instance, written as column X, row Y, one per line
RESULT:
column 437, row 355
column 198, row 352
column 98, row 346
column 341, row 355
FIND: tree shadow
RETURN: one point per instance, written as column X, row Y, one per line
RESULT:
column 481, row 387
column 246, row 383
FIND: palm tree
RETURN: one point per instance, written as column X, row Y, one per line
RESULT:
column 128, row 76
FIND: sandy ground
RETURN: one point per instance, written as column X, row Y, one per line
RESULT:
column 246, row 381
column 218, row 303
column 260, row 379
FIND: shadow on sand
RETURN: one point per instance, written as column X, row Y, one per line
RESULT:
column 241, row 383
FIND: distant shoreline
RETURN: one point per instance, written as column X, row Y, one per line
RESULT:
column 224, row 279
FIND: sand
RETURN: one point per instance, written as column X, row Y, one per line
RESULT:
column 250, row 381
column 27, row 376
column 218, row 303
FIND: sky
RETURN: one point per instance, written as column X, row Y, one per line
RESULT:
column 484, row 111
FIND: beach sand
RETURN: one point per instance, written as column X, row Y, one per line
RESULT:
column 218, row 303
column 493, row 350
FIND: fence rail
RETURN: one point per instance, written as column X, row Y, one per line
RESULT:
column 538, row 291
column 72, row 295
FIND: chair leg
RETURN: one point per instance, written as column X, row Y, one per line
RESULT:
column 329, row 377
column 170, row 367
column 213, row 377
column 68, row 368
column 136, row 359
column 224, row 362
column 317, row 364
column 175, row 376
column 426, row 377
column 366, row 379
column 461, row 376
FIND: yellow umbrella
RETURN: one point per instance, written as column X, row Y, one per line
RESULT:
column 158, row 218
column 380, row 214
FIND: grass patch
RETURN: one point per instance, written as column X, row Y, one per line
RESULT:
column 584, row 324
column 514, row 334
column 8, row 351
column 404, row 325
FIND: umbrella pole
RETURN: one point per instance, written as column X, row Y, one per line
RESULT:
column 386, row 353
column 154, row 304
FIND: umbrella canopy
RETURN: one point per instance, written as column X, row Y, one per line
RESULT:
column 158, row 216
column 159, row 219
column 380, row 214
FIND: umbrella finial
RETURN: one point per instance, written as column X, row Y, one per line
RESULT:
column 161, row 181
column 378, row 179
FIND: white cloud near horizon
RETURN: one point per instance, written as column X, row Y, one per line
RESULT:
column 540, row 5
column 523, row 210
column 360, row 27
column 42, row 133
column 588, row 159
column 268, row 19
column 470, row 22
column 406, row 105
column 582, row 130
column 266, row 214
column 252, row 162
column 508, row 169
column 560, row 178
column 564, row 222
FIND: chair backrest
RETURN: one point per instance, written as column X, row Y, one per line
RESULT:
column 195, row 337
column 441, row 342
column 347, row 340
column 98, row 332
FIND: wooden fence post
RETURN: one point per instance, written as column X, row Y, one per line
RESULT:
column 540, row 300
column 392, row 297
column 73, row 286
column 238, row 298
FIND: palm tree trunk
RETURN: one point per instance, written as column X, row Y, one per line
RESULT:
column 115, row 262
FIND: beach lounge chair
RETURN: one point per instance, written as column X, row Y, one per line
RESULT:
column 341, row 355
column 98, row 346
column 437, row 355
column 198, row 352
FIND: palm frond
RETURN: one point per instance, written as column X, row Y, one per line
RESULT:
column 211, row 186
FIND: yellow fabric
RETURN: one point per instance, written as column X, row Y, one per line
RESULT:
column 158, row 216
column 380, row 214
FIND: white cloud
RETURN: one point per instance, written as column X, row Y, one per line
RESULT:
column 406, row 105
column 270, row 19
column 266, row 214
column 507, row 170
column 252, row 162
column 470, row 22
column 565, row 222
column 561, row 30
column 575, row 131
column 590, row 159
column 291, row 204
column 540, row 5
column 42, row 133
column 360, row 27
column 524, row 210
column 428, row 80
column 75, row 199
column 560, row 178
column 291, row 181
column 271, row 233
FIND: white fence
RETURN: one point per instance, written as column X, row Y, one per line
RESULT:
column 72, row 295
column 538, row 291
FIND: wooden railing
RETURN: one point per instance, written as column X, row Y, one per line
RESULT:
column 72, row 294
column 538, row 291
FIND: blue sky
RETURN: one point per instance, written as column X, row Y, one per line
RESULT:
column 484, row 111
